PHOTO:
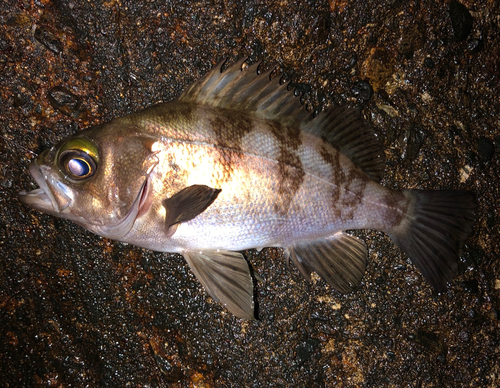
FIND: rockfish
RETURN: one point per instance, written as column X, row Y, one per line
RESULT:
column 236, row 163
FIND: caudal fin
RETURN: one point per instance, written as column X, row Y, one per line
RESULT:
column 437, row 224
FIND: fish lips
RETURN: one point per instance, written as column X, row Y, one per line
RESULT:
column 45, row 199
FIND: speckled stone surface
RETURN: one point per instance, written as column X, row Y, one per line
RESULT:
column 77, row 310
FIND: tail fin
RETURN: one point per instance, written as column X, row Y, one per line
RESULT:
column 436, row 225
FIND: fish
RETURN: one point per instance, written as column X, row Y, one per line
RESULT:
column 237, row 162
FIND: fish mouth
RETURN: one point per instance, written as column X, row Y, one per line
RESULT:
column 43, row 198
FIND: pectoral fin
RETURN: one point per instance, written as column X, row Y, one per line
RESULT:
column 187, row 204
column 340, row 260
column 226, row 277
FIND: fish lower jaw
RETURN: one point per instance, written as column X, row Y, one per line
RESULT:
column 37, row 199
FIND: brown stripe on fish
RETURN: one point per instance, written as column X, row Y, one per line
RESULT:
column 348, row 190
column 228, row 128
column 290, row 170
column 160, row 118
column 397, row 207
column 332, row 158
column 353, row 194
column 174, row 174
column 286, row 136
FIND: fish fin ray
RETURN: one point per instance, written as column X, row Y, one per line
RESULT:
column 226, row 277
column 249, row 91
column 346, row 130
column 340, row 260
column 187, row 204
column 432, row 235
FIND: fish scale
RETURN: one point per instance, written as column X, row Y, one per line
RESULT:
column 237, row 163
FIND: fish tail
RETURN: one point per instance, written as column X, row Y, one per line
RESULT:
column 434, row 230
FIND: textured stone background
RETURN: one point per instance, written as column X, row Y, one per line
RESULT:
column 79, row 310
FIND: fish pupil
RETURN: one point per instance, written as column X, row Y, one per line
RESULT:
column 78, row 167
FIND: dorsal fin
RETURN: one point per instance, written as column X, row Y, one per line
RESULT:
column 346, row 130
column 269, row 99
column 247, row 90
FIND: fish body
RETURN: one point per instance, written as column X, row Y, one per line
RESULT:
column 238, row 163
column 276, row 188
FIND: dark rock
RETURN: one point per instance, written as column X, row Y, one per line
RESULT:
column 363, row 91
column 306, row 349
column 461, row 20
column 3, row 61
column 63, row 100
column 39, row 3
column 463, row 336
column 471, row 286
column 300, row 87
column 412, row 39
column 441, row 357
column 20, row 99
column 429, row 63
column 497, row 142
column 320, row 28
column 431, row 341
column 485, row 149
column 475, row 45
column 49, row 39
column 490, row 219
column 350, row 61
column 415, row 137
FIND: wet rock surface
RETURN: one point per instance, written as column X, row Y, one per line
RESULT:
column 79, row 310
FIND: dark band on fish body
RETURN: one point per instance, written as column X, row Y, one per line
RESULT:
column 333, row 160
column 290, row 169
column 397, row 208
column 155, row 119
column 291, row 175
column 181, row 113
column 286, row 136
column 353, row 194
column 348, row 190
column 176, row 176
column 229, row 129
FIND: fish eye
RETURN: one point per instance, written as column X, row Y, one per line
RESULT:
column 78, row 159
column 77, row 164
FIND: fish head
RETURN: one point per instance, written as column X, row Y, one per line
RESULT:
column 97, row 179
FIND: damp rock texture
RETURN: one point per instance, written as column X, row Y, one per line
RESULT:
column 82, row 311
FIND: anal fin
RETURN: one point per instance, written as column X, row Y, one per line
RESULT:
column 340, row 260
column 225, row 275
